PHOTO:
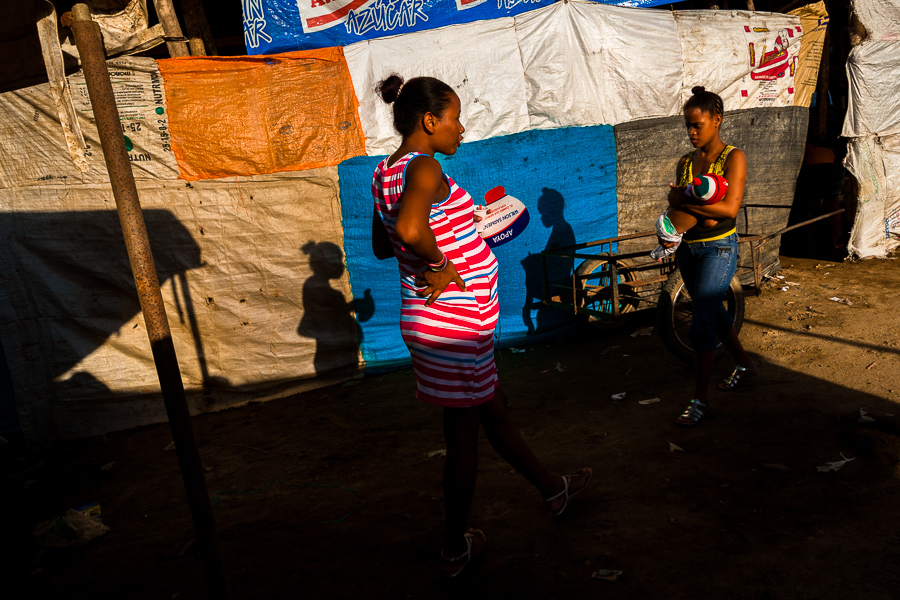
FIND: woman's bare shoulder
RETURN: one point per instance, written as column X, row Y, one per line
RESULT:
column 735, row 154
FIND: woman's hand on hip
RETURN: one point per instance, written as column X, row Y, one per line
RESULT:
column 436, row 282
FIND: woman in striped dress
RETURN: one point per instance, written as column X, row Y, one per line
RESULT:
column 449, row 310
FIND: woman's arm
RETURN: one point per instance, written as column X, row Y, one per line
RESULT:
column 381, row 243
column 730, row 205
column 676, row 192
column 424, row 179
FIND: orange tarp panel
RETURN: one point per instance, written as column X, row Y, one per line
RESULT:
column 250, row 115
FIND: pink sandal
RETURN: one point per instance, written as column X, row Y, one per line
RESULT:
column 565, row 493
column 451, row 567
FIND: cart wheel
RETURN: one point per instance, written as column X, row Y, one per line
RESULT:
column 673, row 314
column 596, row 272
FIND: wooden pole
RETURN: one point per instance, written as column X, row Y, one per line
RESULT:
column 121, row 178
column 821, row 126
column 199, row 34
column 169, row 20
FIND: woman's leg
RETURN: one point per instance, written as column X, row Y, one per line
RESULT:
column 460, row 470
column 733, row 344
column 508, row 442
column 703, row 368
column 707, row 270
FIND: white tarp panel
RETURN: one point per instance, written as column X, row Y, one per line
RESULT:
column 581, row 63
column 747, row 58
column 33, row 148
column 875, row 163
column 480, row 60
column 590, row 64
column 873, row 70
column 881, row 18
column 873, row 119
column 253, row 281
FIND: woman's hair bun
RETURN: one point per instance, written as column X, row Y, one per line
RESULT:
column 389, row 88
column 698, row 89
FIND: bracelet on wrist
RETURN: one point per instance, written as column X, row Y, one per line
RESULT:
column 439, row 266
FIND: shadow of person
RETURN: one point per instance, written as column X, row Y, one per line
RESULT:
column 327, row 317
column 551, row 205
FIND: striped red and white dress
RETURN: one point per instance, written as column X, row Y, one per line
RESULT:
column 452, row 341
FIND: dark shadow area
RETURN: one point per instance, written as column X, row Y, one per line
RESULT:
column 9, row 418
column 552, row 206
column 300, row 491
column 822, row 185
column 327, row 317
column 76, row 264
column 72, row 268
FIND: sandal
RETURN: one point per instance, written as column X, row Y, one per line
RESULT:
column 565, row 494
column 451, row 567
column 738, row 378
column 694, row 413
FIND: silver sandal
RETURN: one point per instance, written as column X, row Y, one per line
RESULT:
column 738, row 378
column 694, row 413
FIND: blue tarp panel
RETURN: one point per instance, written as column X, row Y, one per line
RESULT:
column 565, row 177
column 272, row 26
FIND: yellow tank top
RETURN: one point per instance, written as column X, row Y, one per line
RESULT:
column 723, row 228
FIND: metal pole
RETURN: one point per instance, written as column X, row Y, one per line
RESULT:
column 93, row 58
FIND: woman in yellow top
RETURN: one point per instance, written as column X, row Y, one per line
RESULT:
column 707, row 257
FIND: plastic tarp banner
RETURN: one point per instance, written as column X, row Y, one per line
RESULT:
column 714, row 42
column 875, row 163
column 481, row 61
column 873, row 70
column 272, row 26
column 565, row 177
column 252, row 276
column 873, row 119
column 577, row 64
column 814, row 21
column 33, row 149
column 588, row 64
column 881, row 18
column 255, row 115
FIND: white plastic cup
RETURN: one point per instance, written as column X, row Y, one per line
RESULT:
column 480, row 211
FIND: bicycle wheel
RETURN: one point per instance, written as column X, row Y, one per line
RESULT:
column 673, row 314
column 597, row 272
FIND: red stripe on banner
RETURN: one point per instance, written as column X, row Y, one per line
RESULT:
column 338, row 14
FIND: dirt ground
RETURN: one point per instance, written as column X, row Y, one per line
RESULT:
column 336, row 493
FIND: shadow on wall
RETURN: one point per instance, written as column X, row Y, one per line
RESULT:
column 68, row 286
column 551, row 205
column 327, row 317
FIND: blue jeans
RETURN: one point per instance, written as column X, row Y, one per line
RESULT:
column 707, row 269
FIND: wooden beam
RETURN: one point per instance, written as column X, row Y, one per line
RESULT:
column 48, row 32
column 821, row 125
column 199, row 33
column 169, row 20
